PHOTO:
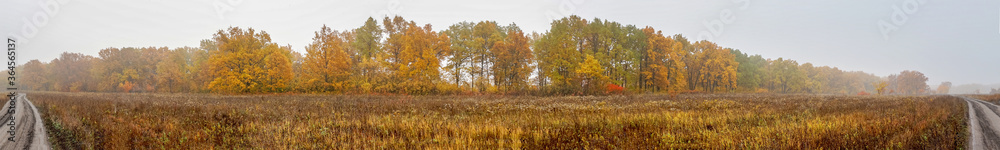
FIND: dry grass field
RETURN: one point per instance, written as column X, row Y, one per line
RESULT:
column 705, row 121
column 992, row 98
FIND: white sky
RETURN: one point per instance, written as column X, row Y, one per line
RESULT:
column 955, row 40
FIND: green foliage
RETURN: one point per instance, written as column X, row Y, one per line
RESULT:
column 750, row 71
column 785, row 76
column 559, row 51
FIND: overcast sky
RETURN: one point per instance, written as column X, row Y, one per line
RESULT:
column 953, row 40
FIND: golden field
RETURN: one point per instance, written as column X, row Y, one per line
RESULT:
column 697, row 121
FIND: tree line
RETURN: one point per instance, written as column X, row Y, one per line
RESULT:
column 575, row 56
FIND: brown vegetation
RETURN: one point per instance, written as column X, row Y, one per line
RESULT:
column 703, row 121
column 992, row 98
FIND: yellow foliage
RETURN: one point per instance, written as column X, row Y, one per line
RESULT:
column 753, row 121
column 665, row 69
column 327, row 64
column 248, row 62
column 591, row 75
column 414, row 55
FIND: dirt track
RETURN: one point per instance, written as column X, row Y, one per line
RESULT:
column 984, row 124
column 29, row 130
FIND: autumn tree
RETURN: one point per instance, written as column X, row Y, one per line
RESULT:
column 368, row 71
column 663, row 68
column 460, row 61
column 750, row 71
column 909, row 82
column 826, row 79
column 880, row 87
column 511, row 65
column 397, row 56
column 815, row 80
column 559, row 53
column 328, row 62
column 151, row 56
column 277, row 70
column 201, row 74
column 174, row 73
column 492, row 57
column 298, row 72
column 71, row 72
column 617, row 48
column 33, row 76
column 716, row 68
column 413, row 55
column 944, row 88
column 628, row 61
column 592, row 79
column 248, row 62
column 485, row 35
column 784, row 76
column 117, row 69
column 857, row 81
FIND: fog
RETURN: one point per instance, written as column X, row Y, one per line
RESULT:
column 956, row 41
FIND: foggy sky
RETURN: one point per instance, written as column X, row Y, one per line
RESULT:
column 955, row 40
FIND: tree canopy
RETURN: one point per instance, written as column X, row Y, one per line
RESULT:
column 574, row 56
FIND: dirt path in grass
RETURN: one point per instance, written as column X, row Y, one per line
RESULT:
column 984, row 124
column 29, row 131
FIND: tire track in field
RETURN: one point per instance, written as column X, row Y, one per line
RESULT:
column 29, row 130
column 984, row 124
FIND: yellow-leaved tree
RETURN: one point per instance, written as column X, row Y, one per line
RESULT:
column 665, row 69
column 327, row 63
column 248, row 62
column 413, row 55
column 591, row 76
column 717, row 68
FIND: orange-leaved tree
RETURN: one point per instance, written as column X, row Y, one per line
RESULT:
column 944, row 88
column 664, row 69
column 248, row 62
column 511, row 66
column 909, row 82
column 327, row 63
column 71, row 72
column 33, row 76
column 413, row 56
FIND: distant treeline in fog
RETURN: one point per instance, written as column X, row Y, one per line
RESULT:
column 976, row 89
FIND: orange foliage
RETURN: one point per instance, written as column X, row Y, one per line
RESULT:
column 615, row 89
